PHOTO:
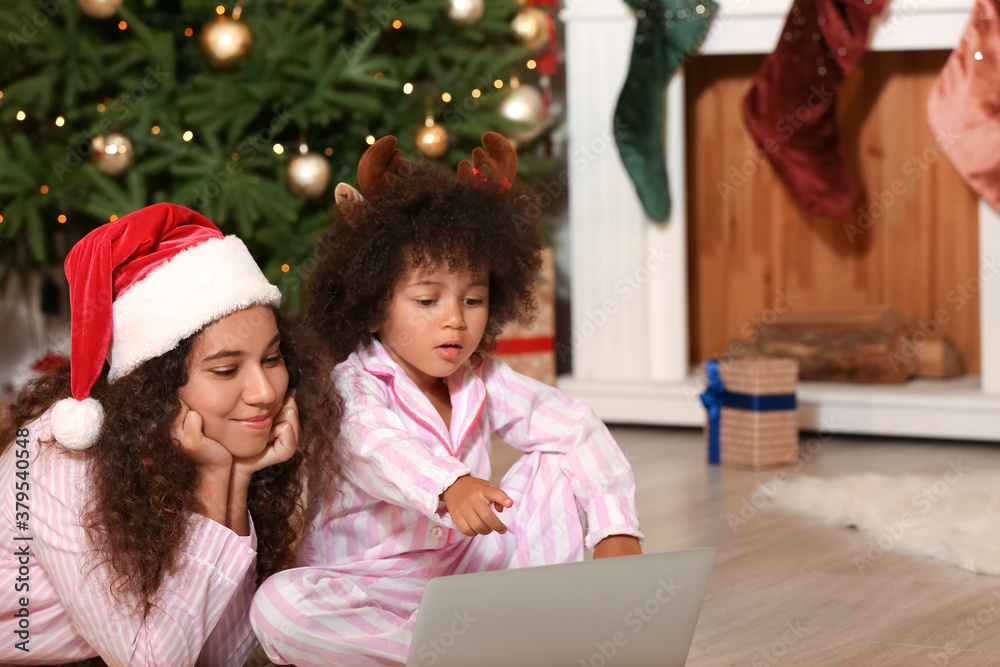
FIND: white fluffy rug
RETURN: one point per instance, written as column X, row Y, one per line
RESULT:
column 954, row 516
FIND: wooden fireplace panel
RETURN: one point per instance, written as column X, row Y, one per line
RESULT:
column 753, row 252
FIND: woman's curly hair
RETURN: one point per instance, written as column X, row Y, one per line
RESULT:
column 424, row 219
column 144, row 485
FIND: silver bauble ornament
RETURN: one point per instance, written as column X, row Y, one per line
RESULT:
column 432, row 140
column 466, row 12
column 308, row 175
column 100, row 9
column 225, row 41
column 531, row 26
column 111, row 152
column 525, row 105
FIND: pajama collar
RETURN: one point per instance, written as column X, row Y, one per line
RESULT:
column 466, row 386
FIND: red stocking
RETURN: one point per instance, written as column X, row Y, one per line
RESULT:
column 791, row 107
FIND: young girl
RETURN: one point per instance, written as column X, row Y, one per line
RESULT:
column 145, row 498
column 412, row 288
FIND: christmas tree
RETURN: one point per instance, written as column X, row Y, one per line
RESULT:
column 246, row 112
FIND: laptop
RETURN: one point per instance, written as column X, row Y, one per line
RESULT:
column 633, row 611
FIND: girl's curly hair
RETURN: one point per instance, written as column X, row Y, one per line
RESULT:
column 424, row 219
column 144, row 485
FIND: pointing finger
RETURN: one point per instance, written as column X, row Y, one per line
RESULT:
column 496, row 495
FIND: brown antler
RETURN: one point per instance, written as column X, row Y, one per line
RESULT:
column 379, row 165
column 497, row 154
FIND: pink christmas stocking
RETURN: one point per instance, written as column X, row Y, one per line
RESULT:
column 964, row 105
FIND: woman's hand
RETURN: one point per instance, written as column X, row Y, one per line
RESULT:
column 469, row 500
column 282, row 441
column 212, row 461
column 617, row 545
column 207, row 454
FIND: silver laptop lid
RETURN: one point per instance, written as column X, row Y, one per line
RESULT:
column 634, row 611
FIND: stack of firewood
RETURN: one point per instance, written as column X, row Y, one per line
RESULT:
column 865, row 345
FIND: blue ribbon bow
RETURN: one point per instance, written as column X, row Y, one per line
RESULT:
column 715, row 397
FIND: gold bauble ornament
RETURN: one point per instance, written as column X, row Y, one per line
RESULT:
column 100, row 9
column 531, row 27
column 308, row 175
column 111, row 152
column 525, row 105
column 432, row 140
column 225, row 41
column 466, row 12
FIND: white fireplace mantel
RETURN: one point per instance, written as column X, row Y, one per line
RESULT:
column 629, row 276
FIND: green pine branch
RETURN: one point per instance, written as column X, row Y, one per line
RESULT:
column 329, row 73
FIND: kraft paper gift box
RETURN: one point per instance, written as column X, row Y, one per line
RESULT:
column 752, row 417
column 530, row 350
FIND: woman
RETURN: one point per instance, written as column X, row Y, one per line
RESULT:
column 147, row 497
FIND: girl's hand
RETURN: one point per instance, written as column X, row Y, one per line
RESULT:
column 617, row 545
column 468, row 501
column 282, row 441
column 207, row 454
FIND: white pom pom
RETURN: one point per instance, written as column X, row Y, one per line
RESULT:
column 76, row 424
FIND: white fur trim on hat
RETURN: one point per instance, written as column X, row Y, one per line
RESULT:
column 179, row 297
column 76, row 424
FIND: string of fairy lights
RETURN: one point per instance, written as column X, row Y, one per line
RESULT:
column 225, row 40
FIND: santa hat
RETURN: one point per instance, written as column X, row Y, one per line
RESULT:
column 140, row 285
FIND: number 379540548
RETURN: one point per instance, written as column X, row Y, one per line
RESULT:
column 22, row 485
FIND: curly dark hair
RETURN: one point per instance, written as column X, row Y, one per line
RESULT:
column 424, row 220
column 144, row 484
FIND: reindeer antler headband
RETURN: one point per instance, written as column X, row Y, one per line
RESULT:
column 382, row 163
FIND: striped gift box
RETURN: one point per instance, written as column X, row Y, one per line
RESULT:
column 530, row 350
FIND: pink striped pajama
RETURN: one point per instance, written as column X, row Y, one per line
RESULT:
column 365, row 563
column 71, row 615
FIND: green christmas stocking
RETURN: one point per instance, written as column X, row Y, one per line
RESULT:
column 666, row 33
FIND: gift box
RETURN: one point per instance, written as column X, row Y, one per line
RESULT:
column 752, row 417
column 530, row 350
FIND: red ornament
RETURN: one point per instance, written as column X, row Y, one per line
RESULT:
column 548, row 60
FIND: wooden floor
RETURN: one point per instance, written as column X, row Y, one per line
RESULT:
column 785, row 591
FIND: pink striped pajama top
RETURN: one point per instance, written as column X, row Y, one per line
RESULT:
column 366, row 560
column 55, row 601
column 404, row 457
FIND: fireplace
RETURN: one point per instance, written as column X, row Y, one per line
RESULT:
column 639, row 290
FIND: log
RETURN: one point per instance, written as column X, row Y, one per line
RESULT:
column 862, row 345
column 938, row 358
